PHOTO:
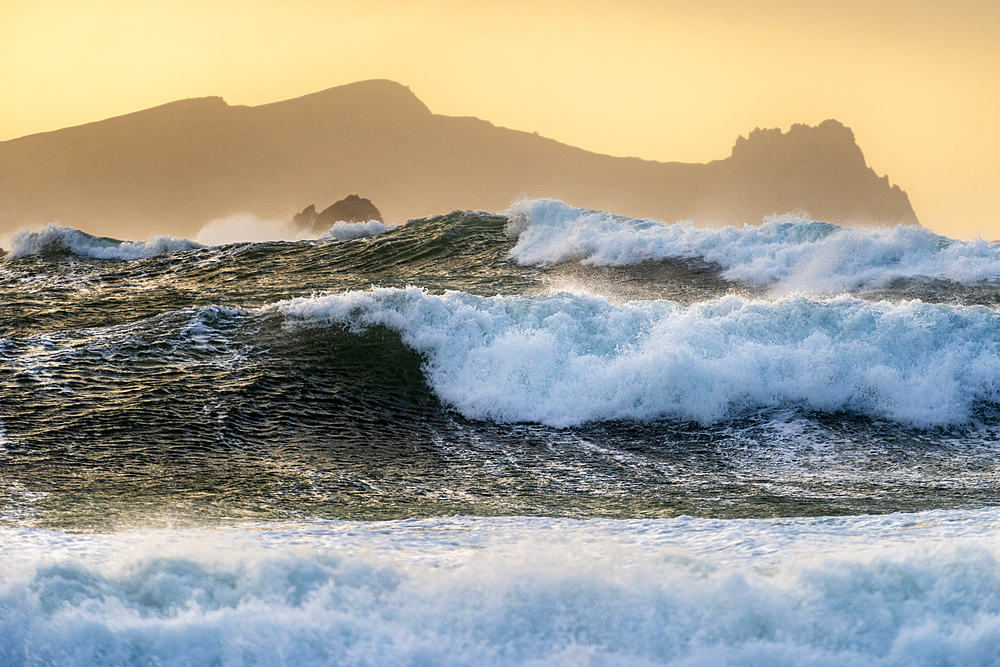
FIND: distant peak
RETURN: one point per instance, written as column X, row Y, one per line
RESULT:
column 386, row 85
column 209, row 102
column 382, row 93
column 829, row 137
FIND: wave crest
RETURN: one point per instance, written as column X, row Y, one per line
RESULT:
column 345, row 231
column 786, row 251
column 566, row 359
column 59, row 240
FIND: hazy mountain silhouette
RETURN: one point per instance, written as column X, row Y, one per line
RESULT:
column 175, row 167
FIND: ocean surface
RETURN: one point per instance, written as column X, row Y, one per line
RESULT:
column 545, row 436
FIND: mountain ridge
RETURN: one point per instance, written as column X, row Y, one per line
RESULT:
column 174, row 167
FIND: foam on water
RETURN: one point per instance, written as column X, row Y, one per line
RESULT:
column 57, row 238
column 918, row 589
column 565, row 359
column 792, row 253
column 345, row 231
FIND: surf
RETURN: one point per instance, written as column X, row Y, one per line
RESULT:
column 566, row 359
column 786, row 252
column 917, row 589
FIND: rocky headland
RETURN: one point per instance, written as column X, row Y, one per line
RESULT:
column 172, row 168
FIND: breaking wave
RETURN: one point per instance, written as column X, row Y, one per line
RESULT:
column 345, row 231
column 789, row 252
column 59, row 240
column 565, row 359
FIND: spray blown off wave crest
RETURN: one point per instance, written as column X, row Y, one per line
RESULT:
column 56, row 239
column 793, row 253
column 566, row 359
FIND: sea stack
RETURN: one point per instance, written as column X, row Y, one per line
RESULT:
column 351, row 208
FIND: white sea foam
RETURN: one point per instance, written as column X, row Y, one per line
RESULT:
column 346, row 231
column 918, row 589
column 564, row 359
column 55, row 237
column 794, row 254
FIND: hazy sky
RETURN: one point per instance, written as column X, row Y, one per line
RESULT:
column 917, row 81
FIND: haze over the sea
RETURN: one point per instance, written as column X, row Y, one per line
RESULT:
column 917, row 82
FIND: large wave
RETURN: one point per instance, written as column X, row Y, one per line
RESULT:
column 565, row 359
column 919, row 589
column 793, row 253
column 57, row 239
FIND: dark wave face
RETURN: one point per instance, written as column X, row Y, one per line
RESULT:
column 546, row 361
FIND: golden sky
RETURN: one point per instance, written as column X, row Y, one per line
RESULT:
column 918, row 81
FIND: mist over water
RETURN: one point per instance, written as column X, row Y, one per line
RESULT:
column 247, row 228
column 253, row 451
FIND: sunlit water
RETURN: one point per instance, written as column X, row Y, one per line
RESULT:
column 659, row 444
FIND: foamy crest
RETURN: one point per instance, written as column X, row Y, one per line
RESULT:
column 793, row 253
column 565, row 359
column 861, row 591
column 58, row 239
column 345, row 231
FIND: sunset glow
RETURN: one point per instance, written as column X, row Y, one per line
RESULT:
column 918, row 82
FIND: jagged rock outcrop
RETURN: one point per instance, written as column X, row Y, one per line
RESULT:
column 819, row 171
column 351, row 208
column 306, row 218
column 173, row 168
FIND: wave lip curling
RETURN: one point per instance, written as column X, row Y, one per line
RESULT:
column 566, row 359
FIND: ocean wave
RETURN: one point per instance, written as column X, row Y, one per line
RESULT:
column 181, row 339
column 346, row 231
column 567, row 359
column 57, row 239
column 789, row 252
column 920, row 589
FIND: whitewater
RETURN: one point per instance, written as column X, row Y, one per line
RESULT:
column 545, row 436
column 915, row 589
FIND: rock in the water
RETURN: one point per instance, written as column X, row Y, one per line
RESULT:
column 350, row 209
column 306, row 218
